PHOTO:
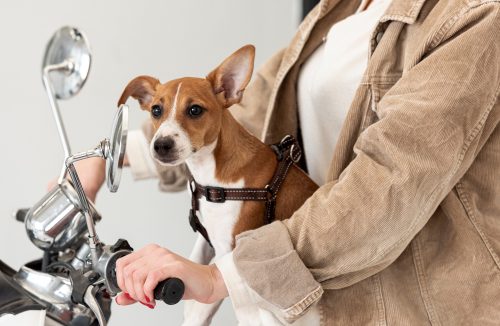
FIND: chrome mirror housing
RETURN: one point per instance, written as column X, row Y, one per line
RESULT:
column 68, row 58
column 117, row 145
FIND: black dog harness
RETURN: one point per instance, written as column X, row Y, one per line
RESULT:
column 287, row 152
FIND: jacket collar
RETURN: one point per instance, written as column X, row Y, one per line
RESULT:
column 405, row 11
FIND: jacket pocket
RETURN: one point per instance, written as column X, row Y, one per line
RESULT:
column 378, row 88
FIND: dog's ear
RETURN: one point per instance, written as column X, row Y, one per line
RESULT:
column 141, row 88
column 232, row 76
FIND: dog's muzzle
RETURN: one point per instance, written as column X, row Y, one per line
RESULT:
column 165, row 149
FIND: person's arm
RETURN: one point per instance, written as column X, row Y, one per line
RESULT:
column 92, row 174
column 429, row 132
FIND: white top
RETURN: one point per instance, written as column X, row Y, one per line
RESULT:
column 328, row 81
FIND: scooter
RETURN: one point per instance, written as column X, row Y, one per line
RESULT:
column 75, row 280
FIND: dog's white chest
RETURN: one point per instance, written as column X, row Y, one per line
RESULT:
column 218, row 218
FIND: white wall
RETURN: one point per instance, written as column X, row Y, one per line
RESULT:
column 167, row 39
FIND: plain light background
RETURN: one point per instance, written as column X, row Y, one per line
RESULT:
column 166, row 39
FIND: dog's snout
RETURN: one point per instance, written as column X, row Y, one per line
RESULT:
column 163, row 145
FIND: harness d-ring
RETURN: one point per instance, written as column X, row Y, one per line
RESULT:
column 299, row 154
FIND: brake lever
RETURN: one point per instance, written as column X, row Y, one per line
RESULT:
column 90, row 300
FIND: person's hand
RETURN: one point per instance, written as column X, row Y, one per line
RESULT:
column 92, row 175
column 139, row 272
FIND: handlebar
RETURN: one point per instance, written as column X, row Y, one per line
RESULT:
column 170, row 291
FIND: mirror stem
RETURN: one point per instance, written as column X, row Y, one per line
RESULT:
column 100, row 151
column 64, row 66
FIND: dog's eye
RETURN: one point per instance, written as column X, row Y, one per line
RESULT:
column 195, row 110
column 156, row 111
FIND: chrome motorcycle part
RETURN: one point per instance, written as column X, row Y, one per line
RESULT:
column 56, row 222
column 65, row 69
column 107, row 264
column 90, row 299
column 117, row 145
column 13, row 298
column 113, row 152
column 68, row 57
column 81, row 259
column 54, row 293
column 94, row 243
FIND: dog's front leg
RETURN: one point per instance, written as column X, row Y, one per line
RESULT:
column 202, row 253
column 199, row 314
column 196, row 313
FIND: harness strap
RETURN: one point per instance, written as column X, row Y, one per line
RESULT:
column 287, row 152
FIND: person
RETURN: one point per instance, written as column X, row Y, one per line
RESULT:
column 397, row 105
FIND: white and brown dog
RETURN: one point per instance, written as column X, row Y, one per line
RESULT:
column 192, row 125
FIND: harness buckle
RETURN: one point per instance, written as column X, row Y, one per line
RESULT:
column 271, row 195
column 220, row 195
column 285, row 139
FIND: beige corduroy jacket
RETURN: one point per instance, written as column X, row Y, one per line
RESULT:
column 407, row 230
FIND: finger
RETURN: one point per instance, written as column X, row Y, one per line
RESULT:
column 122, row 265
column 124, row 299
column 157, row 275
column 134, row 275
column 123, row 262
column 128, row 273
column 154, row 259
column 138, row 279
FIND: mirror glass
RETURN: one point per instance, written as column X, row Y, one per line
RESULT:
column 117, row 145
column 68, row 45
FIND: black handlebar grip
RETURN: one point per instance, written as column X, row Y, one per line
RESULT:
column 170, row 290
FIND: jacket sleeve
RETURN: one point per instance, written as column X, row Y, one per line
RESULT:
column 250, row 113
column 427, row 136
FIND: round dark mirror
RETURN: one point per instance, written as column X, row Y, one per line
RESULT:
column 117, row 145
column 67, row 61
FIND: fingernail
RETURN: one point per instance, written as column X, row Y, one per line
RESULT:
column 127, row 296
column 147, row 299
column 150, row 306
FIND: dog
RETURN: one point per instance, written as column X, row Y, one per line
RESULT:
column 192, row 125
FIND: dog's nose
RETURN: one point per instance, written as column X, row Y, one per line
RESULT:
column 162, row 146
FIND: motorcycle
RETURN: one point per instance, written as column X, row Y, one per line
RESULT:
column 75, row 280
